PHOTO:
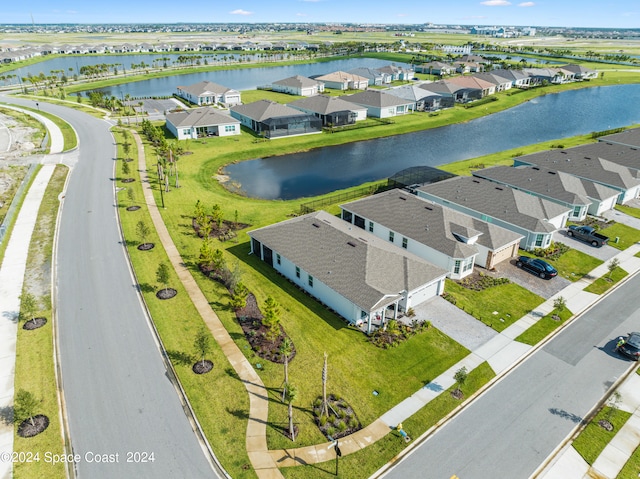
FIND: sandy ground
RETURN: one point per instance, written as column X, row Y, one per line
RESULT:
column 15, row 148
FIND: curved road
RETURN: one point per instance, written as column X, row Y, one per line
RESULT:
column 119, row 398
column 511, row 429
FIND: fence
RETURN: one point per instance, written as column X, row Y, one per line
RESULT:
column 16, row 201
column 340, row 197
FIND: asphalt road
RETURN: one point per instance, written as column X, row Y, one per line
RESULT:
column 121, row 406
column 511, row 429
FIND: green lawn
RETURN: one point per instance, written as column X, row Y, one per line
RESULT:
column 632, row 466
column 365, row 462
column 34, row 350
column 593, row 439
column 572, row 265
column 607, row 281
column 626, row 235
column 510, row 301
column 544, row 326
column 628, row 210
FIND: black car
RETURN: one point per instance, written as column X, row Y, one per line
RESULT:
column 631, row 346
column 537, row 266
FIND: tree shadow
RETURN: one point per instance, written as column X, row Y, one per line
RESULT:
column 574, row 418
column 431, row 386
column 238, row 413
column 232, row 373
column 145, row 288
column 182, row 358
column 6, row 415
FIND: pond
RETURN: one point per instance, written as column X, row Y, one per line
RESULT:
column 545, row 118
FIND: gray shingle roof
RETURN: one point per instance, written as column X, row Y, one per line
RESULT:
column 200, row 117
column 204, row 87
column 430, row 224
column 501, row 202
column 264, row 109
column 368, row 271
column 627, row 137
column 555, row 185
column 324, row 105
column 411, row 92
column 573, row 161
column 376, row 98
column 623, row 155
column 297, row 81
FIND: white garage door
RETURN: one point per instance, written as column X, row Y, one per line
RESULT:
column 421, row 295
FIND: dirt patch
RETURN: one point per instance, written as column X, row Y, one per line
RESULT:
column 22, row 140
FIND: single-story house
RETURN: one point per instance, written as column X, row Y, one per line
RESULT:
column 380, row 104
column 541, row 75
column 343, row 81
column 530, row 216
column 397, row 73
column 629, row 137
column 274, row 120
column 501, row 83
column 201, row 122
column 423, row 99
column 374, row 76
column 598, row 170
column 443, row 236
column 459, row 93
column 468, row 67
column 581, row 196
column 332, row 110
column 361, row 277
column 298, row 85
column 436, row 68
column 209, row 93
column 517, row 78
column 579, row 72
column 622, row 155
column 474, row 83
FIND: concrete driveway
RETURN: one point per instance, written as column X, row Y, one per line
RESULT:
column 623, row 218
column 604, row 253
column 545, row 288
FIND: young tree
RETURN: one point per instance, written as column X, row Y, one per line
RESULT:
column 131, row 194
column 292, row 396
column 25, row 406
column 613, row 264
column 216, row 214
column 559, row 304
column 239, row 296
column 324, row 411
column 143, row 231
column 460, row 377
column 28, row 306
column 162, row 274
column 202, row 343
column 126, row 148
column 125, row 168
column 271, row 318
column 286, row 348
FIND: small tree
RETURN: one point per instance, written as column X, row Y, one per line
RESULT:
column 292, row 396
column 143, row 231
column 286, row 348
column 25, row 406
column 559, row 304
column 125, row 168
column 613, row 264
column 162, row 274
column 460, row 377
column 216, row 214
column 126, row 148
column 202, row 343
column 271, row 318
column 239, row 296
column 131, row 195
column 28, row 306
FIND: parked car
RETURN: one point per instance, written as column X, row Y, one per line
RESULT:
column 537, row 266
column 588, row 235
column 631, row 346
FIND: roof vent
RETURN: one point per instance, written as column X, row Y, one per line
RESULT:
column 563, row 152
column 402, row 198
column 551, row 172
column 587, row 157
column 535, row 168
column 428, row 208
column 316, row 225
column 476, row 181
column 351, row 243
column 498, row 188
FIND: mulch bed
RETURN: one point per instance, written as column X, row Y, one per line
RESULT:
column 128, row 180
column 457, row 394
column 226, row 230
column 341, row 421
column 202, row 367
column 27, row 428
column 133, row 208
column 146, row 246
column 479, row 281
column 604, row 424
column 34, row 323
column 166, row 293
column 250, row 319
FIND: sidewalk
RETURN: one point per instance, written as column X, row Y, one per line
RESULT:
column 11, row 280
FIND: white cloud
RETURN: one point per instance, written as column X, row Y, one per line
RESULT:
column 526, row 4
column 240, row 11
column 496, row 3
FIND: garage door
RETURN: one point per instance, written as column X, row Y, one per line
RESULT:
column 423, row 294
column 502, row 255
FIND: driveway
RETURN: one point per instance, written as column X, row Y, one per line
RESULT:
column 545, row 288
column 619, row 217
column 604, row 253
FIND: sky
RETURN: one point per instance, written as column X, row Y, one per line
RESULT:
column 562, row 13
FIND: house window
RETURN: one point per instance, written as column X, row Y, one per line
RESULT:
column 347, row 215
column 467, row 266
column 229, row 128
column 311, row 281
column 186, row 131
column 576, row 212
column 371, row 226
column 277, row 258
column 456, row 267
column 297, row 271
column 363, row 314
column 391, row 236
column 539, row 239
column 405, row 242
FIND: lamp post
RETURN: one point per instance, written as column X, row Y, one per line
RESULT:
column 336, row 448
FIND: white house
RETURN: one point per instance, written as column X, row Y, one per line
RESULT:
column 534, row 218
column 380, row 104
column 298, row 85
column 332, row 110
column 343, row 81
column 447, row 238
column 201, row 122
column 209, row 93
column 363, row 278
